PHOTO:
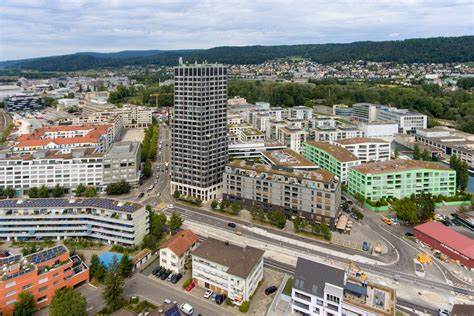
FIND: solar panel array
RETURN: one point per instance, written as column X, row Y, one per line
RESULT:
column 60, row 202
column 9, row 259
column 47, row 254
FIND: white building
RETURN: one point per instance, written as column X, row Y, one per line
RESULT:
column 364, row 112
column 176, row 251
column 331, row 134
column 300, row 112
column 408, row 121
column 9, row 90
column 136, row 116
column 367, row 149
column 322, row 290
column 228, row 269
column 105, row 220
column 385, row 131
column 292, row 137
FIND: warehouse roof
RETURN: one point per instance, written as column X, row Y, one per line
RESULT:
column 449, row 237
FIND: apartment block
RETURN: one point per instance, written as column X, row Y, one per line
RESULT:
column 313, row 195
column 330, row 134
column 199, row 143
column 364, row 112
column 23, row 103
column 287, row 159
column 228, row 269
column 401, row 178
column 136, row 116
column 332, row 158
column 106, row 220
column 321, row 290
column 41, row 274
column 176, row 251
column 300, row 112
column 408, row 121
column 122, row 162
column 292, row 137
column 99, row 118
column 366, row 149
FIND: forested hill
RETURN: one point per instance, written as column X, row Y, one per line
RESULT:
column 429, row 50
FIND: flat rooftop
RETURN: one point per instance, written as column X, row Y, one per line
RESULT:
column 313, row 175
column 360, row 140
column 287, row 158
column 339, row 153
column 398, row 165
column 116, row 205
column 373, row 297
column 239, row 260
column 50, row 154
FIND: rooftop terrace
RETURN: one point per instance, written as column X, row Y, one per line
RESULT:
column 398, row 165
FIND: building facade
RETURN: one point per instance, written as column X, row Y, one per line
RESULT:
column 199, row 130
column 381, row 130
column 401, row 178
column 331, row 134
column 408, row 121
column 228, row 269
column 312, row 195
column 332, row 158
column 176, row 251
column 122, row 162
column 367, row 149
column 364, row 112
column 105, row 220
column 23, row 103
column 41, row 274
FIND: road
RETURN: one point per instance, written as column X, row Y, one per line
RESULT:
column 5, row 119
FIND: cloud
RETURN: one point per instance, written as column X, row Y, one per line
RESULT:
column 54, row 27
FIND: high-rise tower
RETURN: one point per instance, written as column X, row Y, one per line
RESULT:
column 199, row 130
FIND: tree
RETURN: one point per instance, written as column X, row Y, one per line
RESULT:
column 80, row 189
column 125, row 266
column 25, row 305
column 9, row 192
column 277, row 218
column 176, row 194
column 406, row 210
column 147, row 172
column 463, row 175
column 114, row 286
column 416, row 152
column 90, row 192
column 235, row 208
column 426, row 155
column 214, row 205
column 33, row 192
column 68, row 302
column 58, row 191
column 117, row 188
column 97, row 269
column 425, row 206
column 43, row 192
column 257, row 213
column 175, row 222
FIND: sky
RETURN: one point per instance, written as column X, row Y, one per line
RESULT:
column 54, row 27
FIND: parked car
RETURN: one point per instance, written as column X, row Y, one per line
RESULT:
column 186, row 308
column 408, row 234
column 160, row 273
column 270, row 290
column 207, row 294
column 220, row 299
column 365, row 246
column 156, row 270
column 176, row 278
column 165, row 275
column 443, row 312
column 170, row 277
column 141, row 195
column 456, row 222
column 232, row 225
column 171, row 206
column 238, row 233
column 213, row 297
column 190, row 286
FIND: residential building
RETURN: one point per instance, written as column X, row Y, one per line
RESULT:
column 9, row 90
column 332, row 158
column 314, row 195
column 236, row 101
column 342, row 110
column 292, row 137
column 228, row 269
column 41, row 274
column 238, row 149
column 234, row 119
column 447, row 241
column 66, row 138
column 322, row 121
column 401, row 178
column 23, row 103
column 262, row 105
column 300, row 112
column 364, row 112
column 99, row 118
column 106, row 220
column 288, row 159
column 122, row 162
column 382, row 130
column 330, row 134
column 408, row 121
column 199, row 130
column 176, row 251
column 366, row 149
column 449, row 141
column 320, row 289
column 259, row 120
column 136, row 116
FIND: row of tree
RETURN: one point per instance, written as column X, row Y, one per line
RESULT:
column 273, row 217
column 45, row 192
column 226, row 206
column 414, row 209
column 118, row 188
column 82, row 190
column 7, row 193
column 149, row 149
column 425, row 156
column 158, row 225
column 320, row 229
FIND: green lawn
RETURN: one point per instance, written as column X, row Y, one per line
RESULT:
column 288, row 287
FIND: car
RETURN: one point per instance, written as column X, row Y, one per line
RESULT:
column 448, row 221
column 238, row 233
column 350, row 202
column 156, row 270
column 150, row 188
column 232, row 225
column 365, row 246
column 167, row 301
column 160, row 273
column 443, row 312
column 270, row 290
column 165, row 275
column 213, row 297
column 170, row 277
column 176, row 278
column 170, row 206
column 141, row 195
column 408, row 234
column 207, row 294
column 456, row 221
column 220, row 299
column 190, row 286
column 186, row 308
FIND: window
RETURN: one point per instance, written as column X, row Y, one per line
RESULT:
column 42, row 299
column 11, row 301
column 26, row 286
column 10, row 284
column 43, row 280
column 11, row 293
column 44, row 288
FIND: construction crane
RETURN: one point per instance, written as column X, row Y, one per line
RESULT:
column 157, row 95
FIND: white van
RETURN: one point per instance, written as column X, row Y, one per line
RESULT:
column 186, row 308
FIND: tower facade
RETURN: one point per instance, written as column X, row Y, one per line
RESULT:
column 199, row 130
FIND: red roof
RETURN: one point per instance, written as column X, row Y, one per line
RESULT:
column 449, row 237
column 181, row 242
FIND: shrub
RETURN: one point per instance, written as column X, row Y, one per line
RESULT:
column 187, row 282
column 244, row 307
